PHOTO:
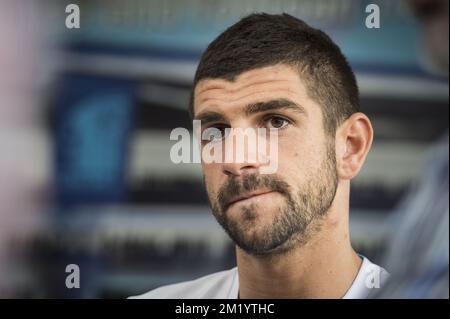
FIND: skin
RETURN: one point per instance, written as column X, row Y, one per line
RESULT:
column 326, row 265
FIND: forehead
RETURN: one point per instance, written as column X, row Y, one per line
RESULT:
column 258, row 85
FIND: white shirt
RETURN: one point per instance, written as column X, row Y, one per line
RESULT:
column 225, row 285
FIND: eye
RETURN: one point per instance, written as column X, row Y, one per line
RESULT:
column 214, row 133
column 277, row 122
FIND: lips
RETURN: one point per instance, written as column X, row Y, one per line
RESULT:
column 244, row 196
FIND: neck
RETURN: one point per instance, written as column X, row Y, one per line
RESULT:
column 324, row 267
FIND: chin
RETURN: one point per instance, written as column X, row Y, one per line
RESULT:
column 254, row 241
column 259, row 249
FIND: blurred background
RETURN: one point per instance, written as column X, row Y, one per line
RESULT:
column 85, row 118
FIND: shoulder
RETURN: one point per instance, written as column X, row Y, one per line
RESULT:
column 216, row 285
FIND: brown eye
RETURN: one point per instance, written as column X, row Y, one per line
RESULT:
column 277, row 122
column 215, row 133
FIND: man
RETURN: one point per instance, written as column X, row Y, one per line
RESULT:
column 290, row 227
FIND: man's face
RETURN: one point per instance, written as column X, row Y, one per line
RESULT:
column 268, row 213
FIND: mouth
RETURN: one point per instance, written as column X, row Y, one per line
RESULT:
column 245, row 196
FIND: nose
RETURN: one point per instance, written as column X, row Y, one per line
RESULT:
column 241, row 154
column 238, row 169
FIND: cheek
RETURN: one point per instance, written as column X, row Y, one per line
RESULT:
column 211, row 173
column 299, row 159
column 291, row 163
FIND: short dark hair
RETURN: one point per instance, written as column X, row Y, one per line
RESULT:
column 261, row 40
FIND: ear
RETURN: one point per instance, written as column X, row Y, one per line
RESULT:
column 353, row 141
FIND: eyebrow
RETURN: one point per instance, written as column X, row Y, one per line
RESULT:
column 211, row 116
column 274, row 105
